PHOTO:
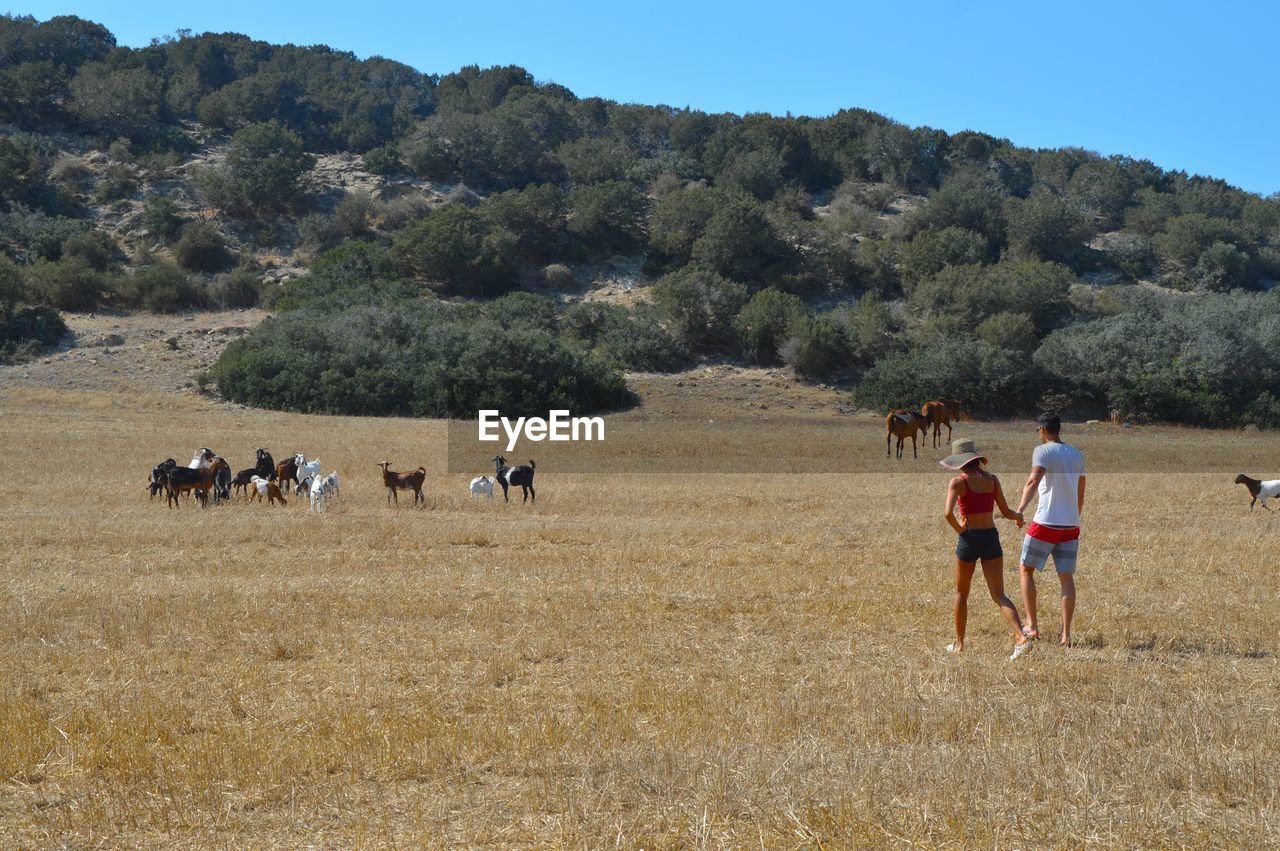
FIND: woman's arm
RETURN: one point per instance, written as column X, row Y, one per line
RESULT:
column 953, row 493
column 1016, row 516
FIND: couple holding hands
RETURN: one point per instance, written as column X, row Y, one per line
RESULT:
column 1057, row 478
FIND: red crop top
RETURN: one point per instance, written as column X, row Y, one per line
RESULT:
column 972, row 502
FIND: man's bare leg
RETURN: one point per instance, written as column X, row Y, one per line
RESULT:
column 1068, row 581
column 1029, row 601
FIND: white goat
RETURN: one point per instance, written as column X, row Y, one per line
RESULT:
column 203, row 458
column 308, row 471
column 266, row 489
column 482, row 486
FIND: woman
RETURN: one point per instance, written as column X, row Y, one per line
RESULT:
column 978, row 494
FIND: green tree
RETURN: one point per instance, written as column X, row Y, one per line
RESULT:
column 595, row 160
column 1009, row 330
column 933, row 250
column 677, row 222
column 1045, row 227
column 816, row 347
column 608, row 217
column 741, row 243
column 456, row 250
column 264, row 170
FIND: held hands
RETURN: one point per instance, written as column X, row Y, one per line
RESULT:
column 1018, row 519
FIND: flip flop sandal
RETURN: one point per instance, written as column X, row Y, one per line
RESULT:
column 1020, row 650
column 951, row 648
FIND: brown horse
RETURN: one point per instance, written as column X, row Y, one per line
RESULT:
column 939, row 413
column 903, row 424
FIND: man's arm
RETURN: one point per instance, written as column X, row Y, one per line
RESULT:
column 1033, row 482
column 1080, row 494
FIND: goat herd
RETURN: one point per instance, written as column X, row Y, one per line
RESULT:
column 208, row 477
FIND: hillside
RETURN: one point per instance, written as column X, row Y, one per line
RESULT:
column 455, row 231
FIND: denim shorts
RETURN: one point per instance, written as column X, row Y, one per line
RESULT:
column 979, row 544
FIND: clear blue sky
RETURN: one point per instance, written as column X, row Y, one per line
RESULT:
column 1190, row 86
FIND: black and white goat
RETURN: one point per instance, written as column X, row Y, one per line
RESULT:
column 158, row 475
column 521, row 475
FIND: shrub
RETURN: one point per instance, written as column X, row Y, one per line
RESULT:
column 264, row 169
column 384, row 160
column 455, row 250
column 1008, row 330
column 987, row 378
column 933, row 250
column 677, row 222
column 68, row 284
column 94, row 247
column 1187, row 237
column 762, row 324
column 240, row 288
column 557, row 276
column 628, row 340
column 159, row 287
column 160, row 217
column 1045, row 227
column 12, row 290
column 412, row 359
column 700, row 304
column 30, row 235
column 816, row 347
column 741, row 243
column 872, row 329
column 119, row 182
column 608, row 217
column 202, row 249
column 26, row 331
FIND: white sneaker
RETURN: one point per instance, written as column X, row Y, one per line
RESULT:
column 1020, row 650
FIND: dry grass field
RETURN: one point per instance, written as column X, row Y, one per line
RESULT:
column 644, row 659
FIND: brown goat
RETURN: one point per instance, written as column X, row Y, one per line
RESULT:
column 403, row 482
column 287, row 471
column 903, row 424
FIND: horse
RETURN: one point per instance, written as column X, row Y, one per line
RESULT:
column 940, row 412
column 903, row 424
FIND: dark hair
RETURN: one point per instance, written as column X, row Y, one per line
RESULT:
column 1050, row 422
column 975, row 464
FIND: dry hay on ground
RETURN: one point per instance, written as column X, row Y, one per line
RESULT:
column 650, row 659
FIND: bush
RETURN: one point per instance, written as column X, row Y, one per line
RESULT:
column 987, row 378
column 26, row 331
column 816, row 347
column 160, row 217
column 412, row 359
column 557, row 276
column 68, row 284
column 741, row 243
column 94, row 247
column 1203, row 360
column 238, row 289
column 119, row 182
column 159, row 287
column 202, row 249
column 265, row 165
column 1045, row 227
column 700, row 304
column 456, row 251
column 608, row 217
column 933, row 250
column 1008, row 330
column 384, row 160
column 632, row 341
column 763, row 323
column 30, row 235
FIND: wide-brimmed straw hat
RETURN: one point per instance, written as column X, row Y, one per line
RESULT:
column 962, row 452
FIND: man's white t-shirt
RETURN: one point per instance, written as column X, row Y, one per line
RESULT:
column 1059, row 503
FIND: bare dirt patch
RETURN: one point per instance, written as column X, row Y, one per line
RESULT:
column 134, row 353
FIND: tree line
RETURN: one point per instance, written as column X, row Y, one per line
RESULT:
column 847, row 247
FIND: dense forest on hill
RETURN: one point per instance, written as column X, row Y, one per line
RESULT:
column 465, row 270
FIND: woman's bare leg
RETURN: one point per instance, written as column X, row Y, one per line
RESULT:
column 964, row 576
column 993, row 572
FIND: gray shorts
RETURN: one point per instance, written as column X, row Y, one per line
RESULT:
column 1035, row 554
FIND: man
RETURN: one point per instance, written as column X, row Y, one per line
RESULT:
column 1057, row 471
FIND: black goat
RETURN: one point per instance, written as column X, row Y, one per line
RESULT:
column 158, row 473
column 522, row 476
column 244, row 479
column 266, row 466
